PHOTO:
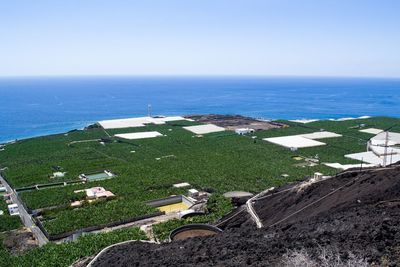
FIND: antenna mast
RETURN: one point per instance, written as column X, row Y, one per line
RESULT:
column 149, row 109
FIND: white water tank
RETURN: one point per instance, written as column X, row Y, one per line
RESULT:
column 193, row 193
column 318, row 176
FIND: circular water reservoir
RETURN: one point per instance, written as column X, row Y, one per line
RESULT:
column 193, row 230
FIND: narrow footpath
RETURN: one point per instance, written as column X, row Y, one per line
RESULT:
column 25, row 216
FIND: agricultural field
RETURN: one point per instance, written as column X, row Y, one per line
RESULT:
column 146, row 169
column 63, row 255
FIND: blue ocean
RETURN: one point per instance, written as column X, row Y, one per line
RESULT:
column 42, row 105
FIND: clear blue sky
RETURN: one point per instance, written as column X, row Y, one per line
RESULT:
column 203, row 37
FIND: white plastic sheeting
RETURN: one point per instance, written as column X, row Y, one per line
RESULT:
column 136, row 122
column 372, row 158
column 204, row 129
column 371, row 131
column 348, row 166
column 139, row 135
column 302, row 140
column 321, row 135
column 294, row 141
column 393, row 138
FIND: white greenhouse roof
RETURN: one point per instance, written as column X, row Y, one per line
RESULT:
column 394, row 138
column 371, row 131
column 139, row 135
column 294, row 141
column 321, row 135
column 136, row 122
column 204, row 129
column 371, row 158
column 302, row 140
column 348, row 166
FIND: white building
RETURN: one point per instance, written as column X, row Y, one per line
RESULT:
column 13, row 209
column 193, row 192
column 98, row 192
column 243, row 131
column 58, row 174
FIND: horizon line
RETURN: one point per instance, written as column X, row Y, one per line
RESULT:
column 196, row 76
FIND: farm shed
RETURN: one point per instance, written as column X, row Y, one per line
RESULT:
column 98, row 192
column 58, row 174
column 13, row 209
column 243, row 131
column 193, row 192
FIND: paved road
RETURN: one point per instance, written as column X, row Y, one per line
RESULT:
column 25, row 216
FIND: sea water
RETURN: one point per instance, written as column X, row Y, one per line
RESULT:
column 46, row 105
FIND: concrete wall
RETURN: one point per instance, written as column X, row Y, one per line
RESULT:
column 168, row 201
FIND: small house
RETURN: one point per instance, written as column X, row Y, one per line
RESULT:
column 98, row 192
column 318, row 176
column 243, row 131
column 13, row 209
column 193, row 193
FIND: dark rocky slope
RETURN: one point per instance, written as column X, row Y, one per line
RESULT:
column 349, row 214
